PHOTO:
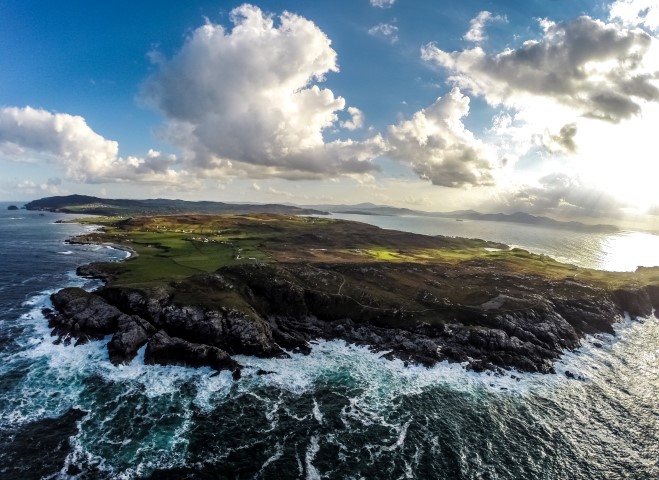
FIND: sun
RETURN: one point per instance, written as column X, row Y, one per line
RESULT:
column 622, row 159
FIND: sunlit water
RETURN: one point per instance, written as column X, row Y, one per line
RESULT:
column 623, row 251
column 340, row 412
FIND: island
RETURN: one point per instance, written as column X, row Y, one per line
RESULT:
column 199, row 289
column 12, row 207
column 88, row 205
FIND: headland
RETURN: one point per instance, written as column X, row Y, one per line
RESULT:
column 200, row 289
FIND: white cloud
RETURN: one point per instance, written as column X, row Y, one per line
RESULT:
column 281, row 193
column 476, row 31
column 438, row 147
column 74, row 146
column 382, row 3
column 636, row 13
column 356, row 121
column 245, row 101
column 559, row 195
column 617, row 158
column 51, row 187
column 29, row 134
column 551, row 96
column 594, row 69
column 561, row 142
column 386, row 31
column 417, row 201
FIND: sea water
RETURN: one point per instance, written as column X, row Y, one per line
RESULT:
column 620, row 251
column 341, row 412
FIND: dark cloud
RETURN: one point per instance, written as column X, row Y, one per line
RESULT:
column 561, row 142
column 595, row 68
column 559, row 194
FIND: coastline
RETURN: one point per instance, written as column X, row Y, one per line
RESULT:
column 269, row 309
column 379, row 400
column 131, row 252
column 85, row 239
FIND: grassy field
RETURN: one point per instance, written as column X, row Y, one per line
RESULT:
column 175, row 247
column 170, row 249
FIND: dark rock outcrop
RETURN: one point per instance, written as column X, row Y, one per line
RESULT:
column 165, row 350
column 92, row 270
column 81, row 315
column 189, row 336
column 280, row 313
column 131, row 335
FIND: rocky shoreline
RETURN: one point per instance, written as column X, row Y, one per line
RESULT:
column 91, row 239
column 280, row 316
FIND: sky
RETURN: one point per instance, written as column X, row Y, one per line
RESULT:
column 544, row 106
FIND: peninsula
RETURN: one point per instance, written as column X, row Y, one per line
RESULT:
column 199, row 289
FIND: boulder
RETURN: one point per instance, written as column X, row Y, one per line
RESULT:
column 165, row 350
column 132, row 333
column 82, row 313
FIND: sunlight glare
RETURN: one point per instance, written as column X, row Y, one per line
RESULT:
column 628, row 250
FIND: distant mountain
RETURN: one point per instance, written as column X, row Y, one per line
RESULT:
column 526, row 218
column 127, row 207
column 371, row 209
column 517, row 217
column 105, row 206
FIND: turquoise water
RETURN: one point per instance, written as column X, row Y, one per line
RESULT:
column 341, row 412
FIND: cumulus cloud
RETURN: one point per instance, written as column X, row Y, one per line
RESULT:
column 51, row 187
column 29, row 134
column 636, row 13
column 246, row 101
column 559, row 194
column 595, row 69
column 83, row 153
column 561, row 142
column 439, row 148
column 382, row 3
column 476, row 31
column 386, row 31
column 356, row 119
column 154, row 167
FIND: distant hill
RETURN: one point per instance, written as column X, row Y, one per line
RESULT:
column 521, row 217
column 517, row 217
column 371, row 209
column 127, row 207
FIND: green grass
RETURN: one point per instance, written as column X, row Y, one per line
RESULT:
column 174, row 248
column 384, row 254
column 170, row 249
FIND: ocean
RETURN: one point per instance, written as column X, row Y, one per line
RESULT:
column 342, row 412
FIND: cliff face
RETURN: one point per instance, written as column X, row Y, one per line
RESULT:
column 267, row 310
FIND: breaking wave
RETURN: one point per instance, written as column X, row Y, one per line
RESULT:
column 343, row 411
